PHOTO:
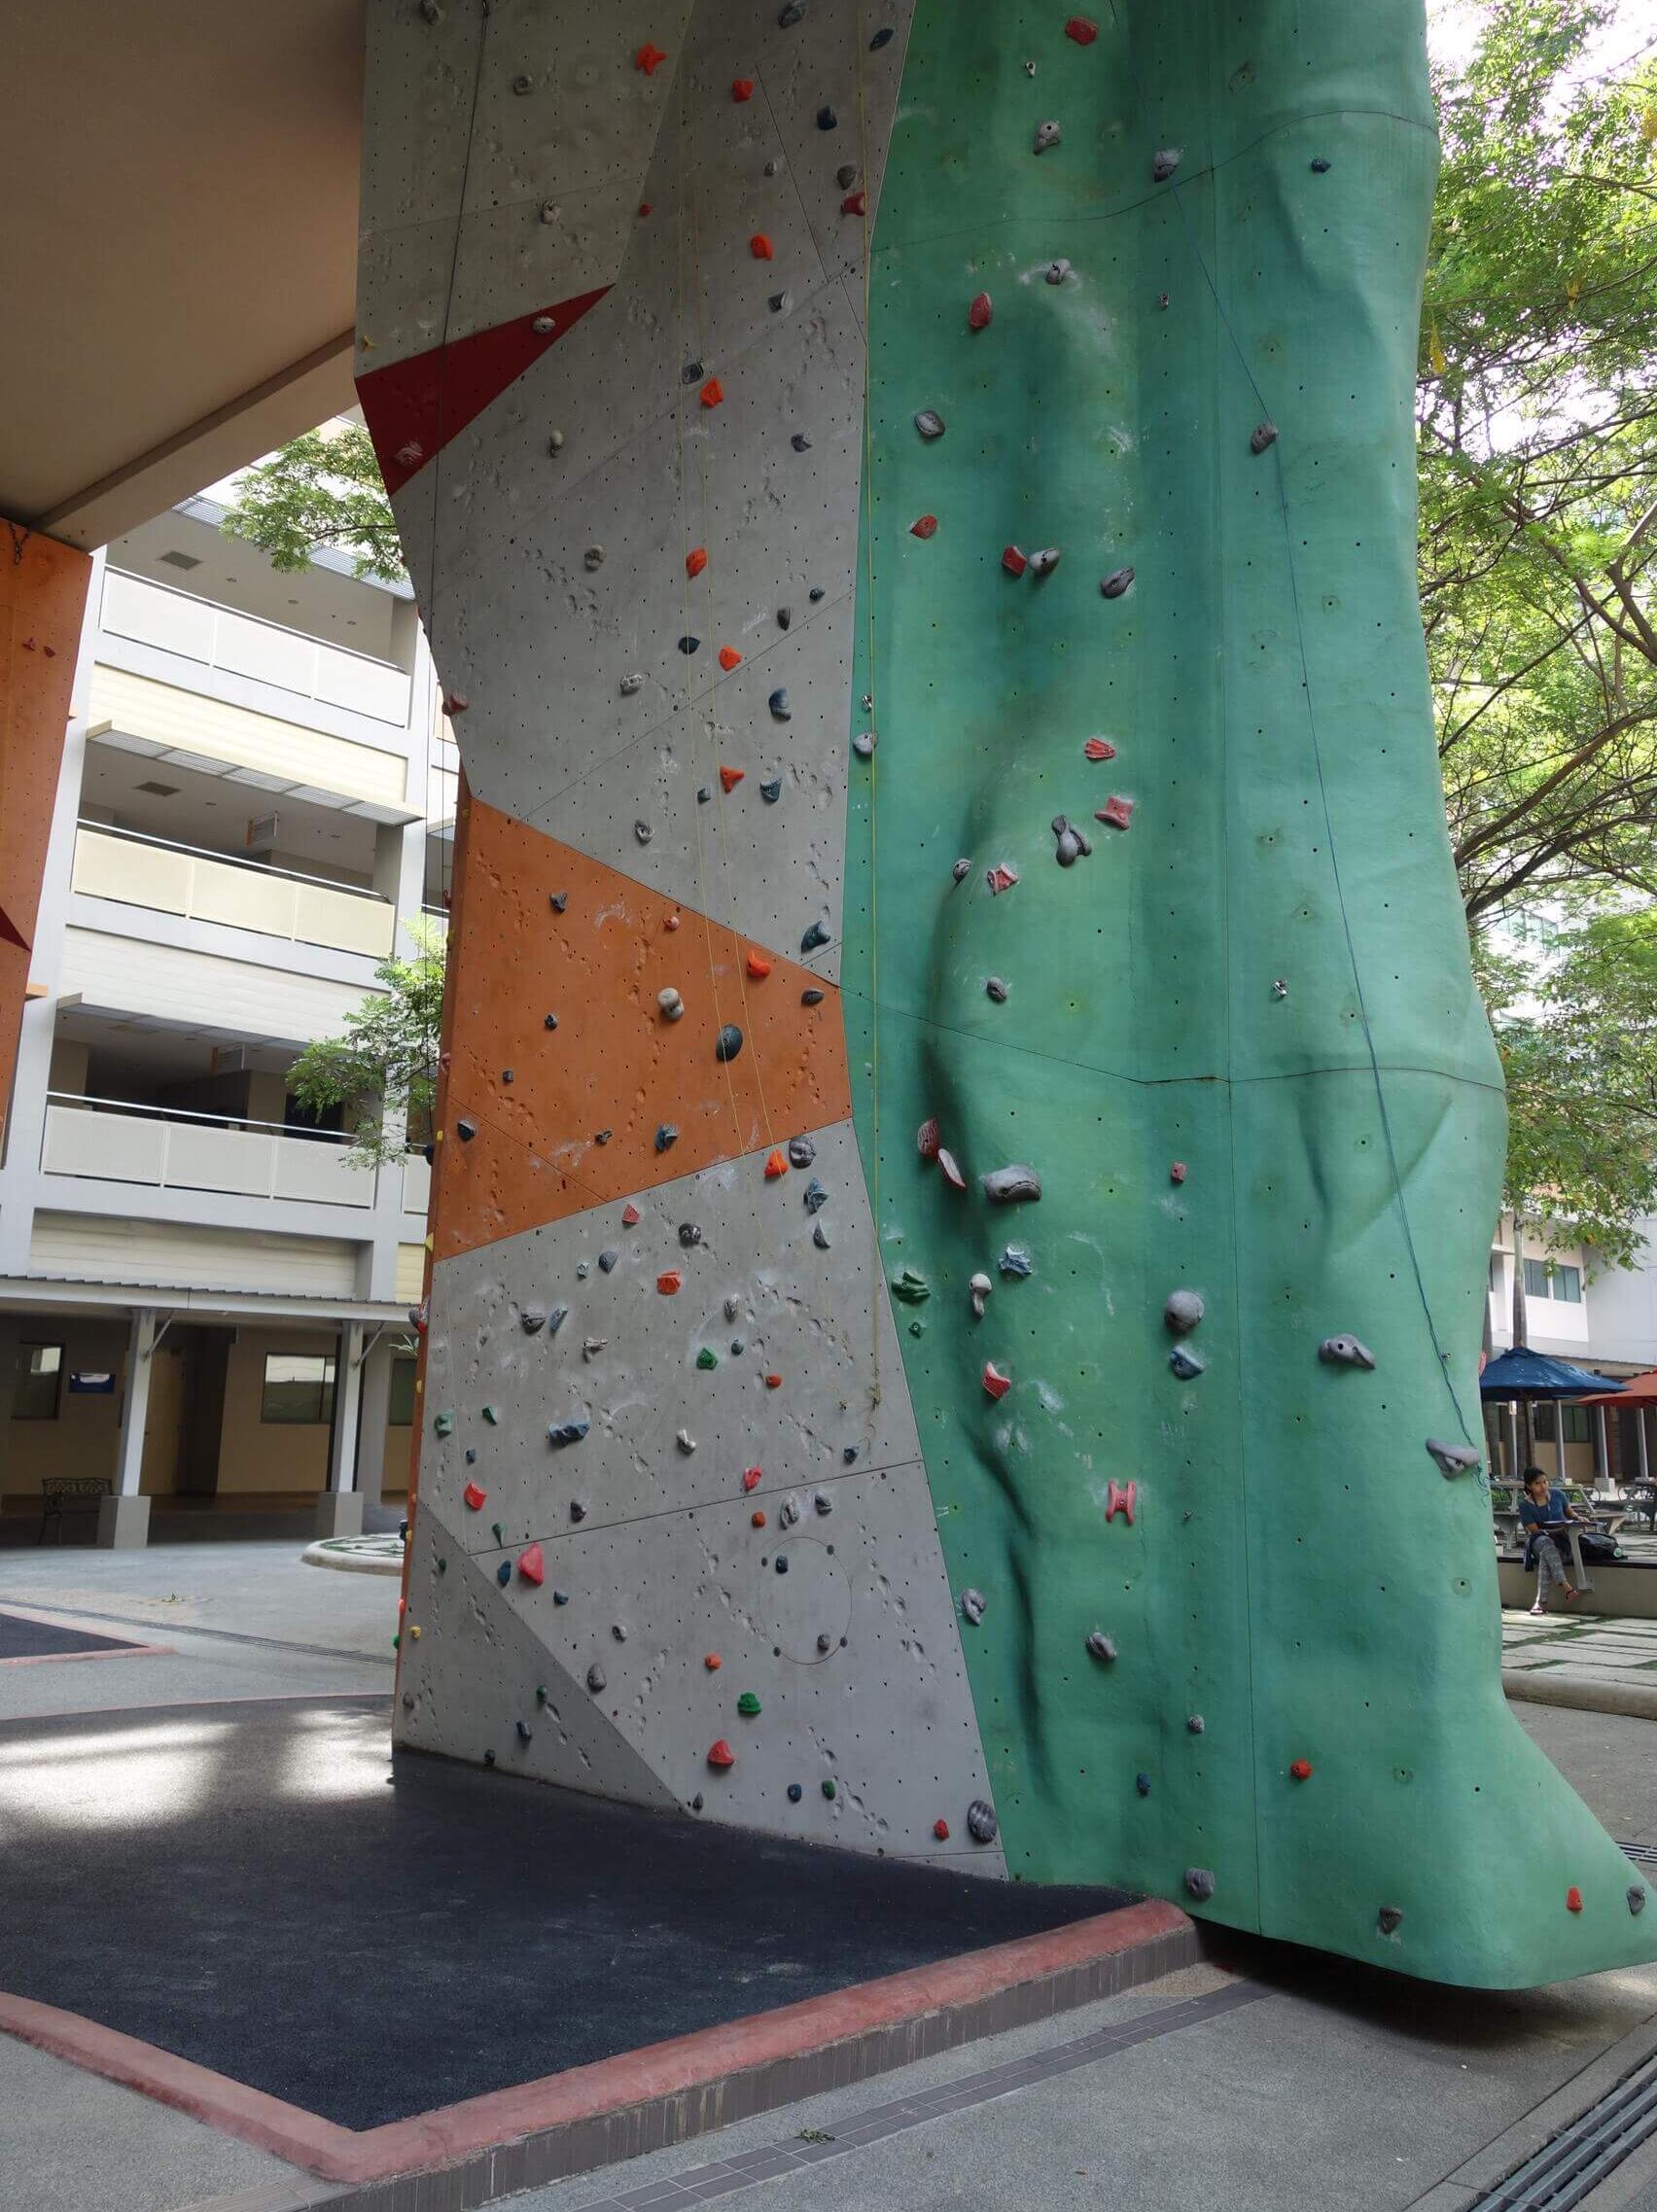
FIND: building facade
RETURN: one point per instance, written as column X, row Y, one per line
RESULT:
column 203, row 1302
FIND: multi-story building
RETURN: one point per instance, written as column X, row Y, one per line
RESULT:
column 203, row 1302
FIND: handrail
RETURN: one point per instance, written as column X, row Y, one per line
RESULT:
column 231, row 861
column 222, row 607
column 183, row 1114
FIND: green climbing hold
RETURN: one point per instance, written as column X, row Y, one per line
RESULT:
column 492, row 1414
column 443, row 1567
column 444, row 1424
column 540, row 1693
column 500, row 1531
column 748, row 1704
column 911, row 1286
column 829, row 1787
column 706, row 1358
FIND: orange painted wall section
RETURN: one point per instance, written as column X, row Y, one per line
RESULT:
column 43, row 599
column 613, row 1061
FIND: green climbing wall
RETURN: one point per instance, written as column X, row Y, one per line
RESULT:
column 1299, row 1577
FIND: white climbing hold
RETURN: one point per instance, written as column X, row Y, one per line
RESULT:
column 686, row 1442
column 972, row 1605
column 980, row 1286
column 1182, row 1310
column 630, row 685
column 671, row 1004
column 930, row 423
column 542, row 324
column 1058, row 269
column 1345, row 1352
column 1004, row 1187
column 1164, row 161
column 1101, row 1645
column 863, row 744
column 1453, row 1459
column 1046, row 561
column 1047, row 136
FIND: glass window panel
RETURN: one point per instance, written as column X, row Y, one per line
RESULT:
column 298, row 1386
column 401, row 1410
column 1568, row 1283
column 36, row 1382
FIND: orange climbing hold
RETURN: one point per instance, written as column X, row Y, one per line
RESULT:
column 649, row 59
column 713, row 1662
column 531, row 1564
column 729, row 778
column 720, row 1754
column 757, row 1519
column 759, row 967
column 1574, row 1899
column 669, row 1282
column 1099, row 748
column 630, row 1215
column 761, row 247
column 925, row 526
column 741, row 88
column 995, row 1383
column 729, row 658
column 713, row 392
column 696, row 560
column 774, row 1381
column 473, row 1496
column 855, row 203
column 1301, row 1769
column 1081, row 30
column 776, row 1165
column 752, row 1478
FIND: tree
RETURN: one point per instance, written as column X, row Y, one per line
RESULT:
column 383, row 1071
column 320, row 489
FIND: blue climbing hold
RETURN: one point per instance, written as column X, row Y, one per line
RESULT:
column 665, row 1136
column 781, row 710
column 560, row 1596
column 503, row 1573
column 524, row 1732
column 795, row 1793
column 771, row 789
column 782, row 1563
column 1185, row 1364
column 848, row 1453
column 556, row 1318
column 1015, row 1261
column 882, row 36
column 607, row 1261
column 815, row 1196
column 1141, row 1783
column 567, row 1432
column 729, row 1044
column 689, row 645
column 816, row 936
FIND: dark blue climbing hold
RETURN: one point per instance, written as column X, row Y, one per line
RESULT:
column 816, row 936
column 771, row 789
column 665, row 1137
column 801, row 443
column 567, row 1432
column 811, row 997
column 739, row 1346
column 689, row 645
column 781, row 710
column 692, row 372
column 848, row 1453
column 465, row 1130
column 607, row 1260
column 560, row 1596
column 815, row 1196
column 827, row 119
column 559, row 900
column 795, row 1793
column 503, row 1573
column 782, row 1563
column 549, row 1021
column 577, row 1511
column 471, row 1456
column 704, row 794
column 881, row 38
column 729, row 1044
column 524, row 1732
column 1141, row 1783
column 1321, row 165
column 793, row 12
column 488, row 1758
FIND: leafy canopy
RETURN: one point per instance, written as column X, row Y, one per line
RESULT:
column 320, row 489
column 383, row 1070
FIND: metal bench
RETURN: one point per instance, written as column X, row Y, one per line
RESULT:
column 63, row 1494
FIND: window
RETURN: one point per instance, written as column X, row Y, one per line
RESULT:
column 1578, row 1423
column 401, row 1410
column 1545, row 1278
column 36, row 1384
column 1568, row 1283
column 298, row 1386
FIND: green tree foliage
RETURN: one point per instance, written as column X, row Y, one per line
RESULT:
column 383, row 1071
column 322, row 489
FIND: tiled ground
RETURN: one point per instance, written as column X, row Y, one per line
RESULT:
column 1600, row 1649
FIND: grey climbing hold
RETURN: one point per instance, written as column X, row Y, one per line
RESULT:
column 979, row 1289
column 550, row 211
column 556, row 1318
column 739, row 1346
column 846, row 176
column 595, row 1677
column 1003, row 1186
column 1262, row 435
column 592, row 1347
column 666, row 1135
column 1388, row 1919
column 848, row 1453
column 962, row 870
column 729, row 1044
column 1015, row 1261
column 1453, row 1459
column 1185, row 1364
column 1164, row 161
column 558, row 901
column 1101, row 1645
column 788, row 1513
column 704, row 794
column 618, row 1631
column 692, row 372
column 777, row 303
column 1345, row 1352
column 432, row 10
column 549, row 1021
column 1116, row 582
column 732, row 1307
column 1637, row 1897
column 930, row 423
column 560, row 1596
column 593, row 557
column 781, row 710
column 1141, row 1783
column 1057, row 270
column 607, row 1261
column 863, row 744
column 1182, row 1310
column 827, row 119
column 686, row 1442
column 1047, row 136
column 532, row 1318
column 801, row 443
column 771, row 789
column 815, row 1196
column 643, row 831
column 811, row 997
column 785, row 616
column 1046, row 561
column 688, row 645
column 1280, row 987
column 825, row 1644
column 555, row 441
column 696, row 1802
column 690, row 1235
column 771, row 166
column 1196, row 1725
column 523, row 83
column 819, row 1236
column 566, row 1432
column 801, row 1151
column 995, row 987
column 981, row 1823
column 1199, row 1882
column 1071, row 842
column 823, row 1502
column 669, row 1003
column 1321, row 164
column 814, row 937
column 818, row 591
column 463, row 1129
column 972, row 1606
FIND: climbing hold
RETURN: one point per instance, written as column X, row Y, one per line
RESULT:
column 863, row 744
column 776, row 1164
column 1388, row 1919
column 1099, row 749
column 980, row 1287
column 531, row 1564
column 774, row 1382
column 497, row 1529
column 814, row 939
column 828, row 1784
column 492, row 1416
column 822, row 1502
column 1141, row 1783
column 1046, row 561
column 669, row 1003
column 1071, row 842
column 706, row 1358
column 1262, row 435
column 607, row 1261
column 819, row 1236
column 972, row 1605
column 473, row 1496
column 1177, row 1170
column 1319, row 165
column 566, row 1432
column 665, row 1137
column 1058, row 269
column 788, row 1513
column 952, row 1175
column 1185, row 1364
column 442, row 1425
column 924, row 526
column 1004, row 1185
column 785, row 616
column 1345, row 1352
column 524, row 1732
column 643, row 831
column 593, row 557
column 463, row 1129
column 713, row 392
column 555, row 441
column 827, row 119
column 432, row 10
column 811, row 997
column 1164, row 162
column 1081, row 30
column 962, row 870
column 846, row 175
column 1636, row 1894
column 696, row 560
column 995, row 1383
column 995, row 987
column 532, row 1319
column 729, row 1044
column 729, row 778
column 1453, row 1459
column 752, row 1478
column 595, row 1677
column 801, row 1151
column 928, row 1138
column 729, row 658
column 686, row 1442
column 1014, row 561
column 1015, row 1261
column 669, row 1282
column 777, row 303
column 1196, row 1724
column 882, row 36
column 1001, row 877
column 556, row 1320
column 503, row 1573
column 630, row 1215
column 815, row 1196
column 1118, row 812
column 911, row 1286
column 1122, row 1498
column 1300, row 1770
column 592, row 1347
column 761, row 247
column 690, row 1235
column 1199, row 1881
column 930, row 423
column 980, row 313
column 649, row 59
column 1047, row 136
column 778, row 703
column 1182, row 1310
column 981, row 1823
column 759, row 967
column 1101, row 1645
column 1116, row 582
column 741, row 88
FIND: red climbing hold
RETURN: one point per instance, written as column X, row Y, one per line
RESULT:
column 669, row 1282
column 1001, row 877
column 1574, row 1899
column 455, row 703
column 1301, row 1769
column 630, row 1215
column 941, row 1829
column 980, row 313
column 729, row 778
column 1122, row 1498
column 713, row 392
column 855, row 203
column 473, row 1496
column 741, row 88
column 952, row 1175
column 1014, row 561
column 531, row 1565
column 761, row 247
column 729, row 658
column 1177, row 1170
column 1081, row 30
column 1117, row 811
column 752, row 1478
column 774, row 1381
column 649, row 59
column 925, row 526
column 995, row 1383
column 644, row 207
column 758, row 1518
column 759, row 967
column 928, row 1138
column 720, row 1754
column 713, row 1662
column 696, row 560
column 1099, row 748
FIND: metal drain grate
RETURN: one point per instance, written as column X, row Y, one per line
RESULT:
column 1563, row 2172
column 1643, row 1854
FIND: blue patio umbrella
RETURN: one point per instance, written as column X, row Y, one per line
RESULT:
column 1521, row 1373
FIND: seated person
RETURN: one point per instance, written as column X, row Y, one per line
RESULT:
column 1544, row 1511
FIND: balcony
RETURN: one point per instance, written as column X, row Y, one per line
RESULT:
column 134, row 870
column 112, row 1140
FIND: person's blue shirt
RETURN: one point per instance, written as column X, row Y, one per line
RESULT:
column 1535, row 1518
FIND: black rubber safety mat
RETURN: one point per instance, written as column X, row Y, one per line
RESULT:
column 43, row 1639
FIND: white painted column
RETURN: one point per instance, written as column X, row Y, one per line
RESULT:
column 371, row 1418
column 1604, row 1470
column 339, row 1510
column 124, row 1520
column 1639, row 1433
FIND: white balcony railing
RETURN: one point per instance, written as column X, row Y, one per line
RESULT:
column 135, row 871
column 416, row 1184
column 241, row 645
column 112, row 1140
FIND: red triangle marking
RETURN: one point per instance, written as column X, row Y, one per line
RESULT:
column 9, row 933
column 413, row 407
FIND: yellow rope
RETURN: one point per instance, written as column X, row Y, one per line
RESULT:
column 867, row 520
